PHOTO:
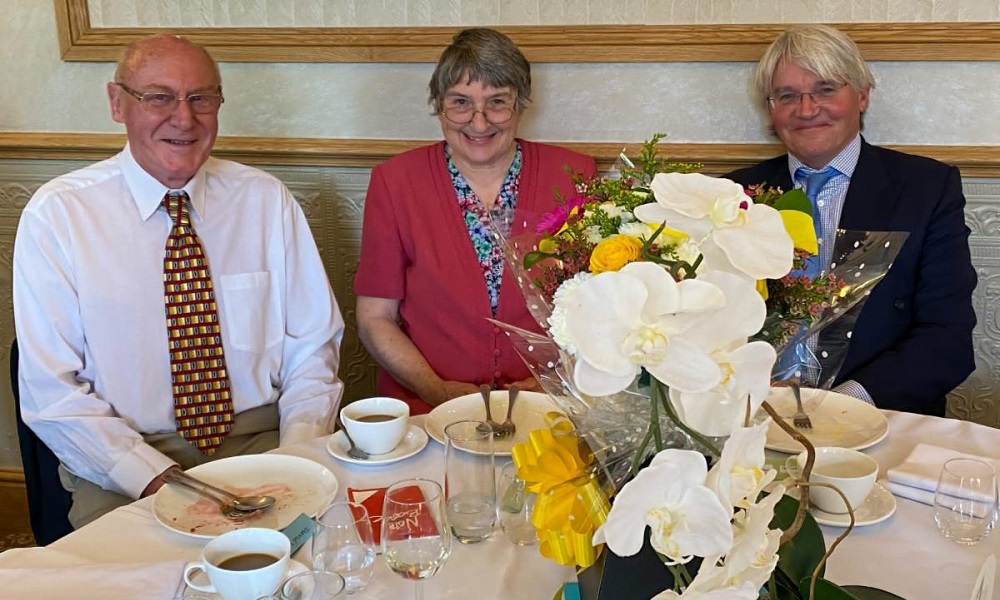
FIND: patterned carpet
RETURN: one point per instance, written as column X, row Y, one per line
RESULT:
column 16, row 540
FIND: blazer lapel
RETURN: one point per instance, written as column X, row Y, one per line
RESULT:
column 872, row 196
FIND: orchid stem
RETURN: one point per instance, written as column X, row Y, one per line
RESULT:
column 672, row 414
column 654, row 424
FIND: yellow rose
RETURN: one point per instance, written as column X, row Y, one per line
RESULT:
column 614, row 253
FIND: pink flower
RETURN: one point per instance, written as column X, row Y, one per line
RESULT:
column 552, row 222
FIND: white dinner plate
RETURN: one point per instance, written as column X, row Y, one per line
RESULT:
column 877, row 507
column 413, row 442
column 530, row 409
column 299, row 485
column 837, row 420
column 201, row 578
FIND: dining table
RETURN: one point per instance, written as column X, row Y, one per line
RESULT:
column 904, row 554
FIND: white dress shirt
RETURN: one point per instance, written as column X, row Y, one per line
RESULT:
column 830, row 202
column 89, row 311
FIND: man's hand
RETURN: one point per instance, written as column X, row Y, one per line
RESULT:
column 156, row 483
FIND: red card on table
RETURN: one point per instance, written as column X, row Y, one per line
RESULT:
column 373, row 500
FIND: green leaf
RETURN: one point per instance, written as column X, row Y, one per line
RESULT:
column 794, row 200
column 826, row 590
column 533, row 258
column 798, row 557
column 864, row 592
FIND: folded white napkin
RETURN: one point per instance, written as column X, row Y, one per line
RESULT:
column 916, row 477
column 42, row 573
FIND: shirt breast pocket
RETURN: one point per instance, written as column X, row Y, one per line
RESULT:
column 253, row 314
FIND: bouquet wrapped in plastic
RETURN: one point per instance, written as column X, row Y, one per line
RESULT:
column 650, row 287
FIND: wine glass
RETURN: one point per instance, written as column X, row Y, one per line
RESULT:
column 342, row 542
column 415, row 537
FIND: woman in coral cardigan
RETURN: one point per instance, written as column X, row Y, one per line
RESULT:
column 430, row 273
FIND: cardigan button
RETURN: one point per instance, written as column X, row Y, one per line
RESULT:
column 900, row 304
column 496, row 331
column 496, row 352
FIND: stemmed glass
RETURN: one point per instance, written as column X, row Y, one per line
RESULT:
column 415, row 537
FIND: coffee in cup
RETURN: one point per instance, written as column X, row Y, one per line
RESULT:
column 242, row 564
column 376, row 425
column 850, row 471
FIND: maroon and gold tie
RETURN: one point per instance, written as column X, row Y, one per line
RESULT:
column 203, row 405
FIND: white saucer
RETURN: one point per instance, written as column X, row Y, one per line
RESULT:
column 294, row 568
column 413, row 442
column 877, row 507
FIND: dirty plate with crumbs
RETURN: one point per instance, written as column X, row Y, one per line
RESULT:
column 299, row 485
column 838, row 420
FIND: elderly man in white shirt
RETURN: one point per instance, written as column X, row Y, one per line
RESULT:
column 124, row 376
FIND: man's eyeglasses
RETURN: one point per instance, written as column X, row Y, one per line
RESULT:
column 461, row 111
column 824, row 94
column 164, row 102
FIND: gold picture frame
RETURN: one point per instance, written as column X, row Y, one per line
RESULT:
column 973, row 41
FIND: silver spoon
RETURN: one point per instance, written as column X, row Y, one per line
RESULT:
column 225, row 499
column 353, row 451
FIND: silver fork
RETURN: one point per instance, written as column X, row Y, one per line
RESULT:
column 484, row 391
column 800, row 419
column 507, row 428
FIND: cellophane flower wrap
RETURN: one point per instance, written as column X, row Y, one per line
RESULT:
column 665, row 297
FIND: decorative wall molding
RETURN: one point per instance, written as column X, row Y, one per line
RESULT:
column 974, row 161
column 969, row 41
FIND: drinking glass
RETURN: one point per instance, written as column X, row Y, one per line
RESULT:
column 311, row 585
column 343, row 542
column 415, row 540
column 470, row 480
column 965, row 502
column 515, row 507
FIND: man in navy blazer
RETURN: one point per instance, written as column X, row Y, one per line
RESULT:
column 912, row 343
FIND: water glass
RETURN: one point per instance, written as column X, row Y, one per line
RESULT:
column 470, row 480
column 515, row 507
column 311, row 585
column 415, row 543
column 343, row 542
column 965, row 502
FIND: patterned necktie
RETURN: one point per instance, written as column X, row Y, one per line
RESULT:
column 203, row 405
column 814, row 182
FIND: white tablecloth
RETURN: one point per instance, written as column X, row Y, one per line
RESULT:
column 904, row 555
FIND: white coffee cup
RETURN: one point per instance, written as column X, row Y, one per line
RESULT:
column 241, row 565
column 852, row 472
column 381, row 435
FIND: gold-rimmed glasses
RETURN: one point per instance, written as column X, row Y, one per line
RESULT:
column 824, row 94
column 201, row 103
column 496, row 111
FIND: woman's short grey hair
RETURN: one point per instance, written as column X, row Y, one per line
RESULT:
column 483, row 55
column 829, row 53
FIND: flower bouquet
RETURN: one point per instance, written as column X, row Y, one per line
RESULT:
column 650, row 285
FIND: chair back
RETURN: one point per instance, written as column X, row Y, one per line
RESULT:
column 48, row 501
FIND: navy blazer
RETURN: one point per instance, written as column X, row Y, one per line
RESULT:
column 912, row 343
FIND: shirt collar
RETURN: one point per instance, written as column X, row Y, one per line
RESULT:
column 845, row 162
column 148, row 193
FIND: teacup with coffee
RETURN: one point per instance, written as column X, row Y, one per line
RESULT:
column 852, row 472
column 242, row 564
column 377, row 425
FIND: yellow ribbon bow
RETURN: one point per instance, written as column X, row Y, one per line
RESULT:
column 555, row 464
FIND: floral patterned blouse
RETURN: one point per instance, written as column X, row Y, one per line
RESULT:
column 479, row 221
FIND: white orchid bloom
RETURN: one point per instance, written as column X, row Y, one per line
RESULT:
column 685, row 518
column 745, row 367
column 746, row 592
column 754, row 553
column 733, row 232
column 637, row 317
column 738, row 477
